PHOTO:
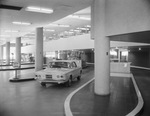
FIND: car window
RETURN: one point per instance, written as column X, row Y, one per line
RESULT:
column 74, row 64
column 59, row 64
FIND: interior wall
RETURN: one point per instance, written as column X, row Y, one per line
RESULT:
column 139, row 58
column 70, row 43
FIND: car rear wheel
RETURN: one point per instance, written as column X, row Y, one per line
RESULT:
column 79, row 77
column 69, row 82
column 43, row 84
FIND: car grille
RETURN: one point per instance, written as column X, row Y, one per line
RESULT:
column 48, row 76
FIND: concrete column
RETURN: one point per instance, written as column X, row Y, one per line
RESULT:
column 39, row 49
column 92, row 21
column 18, row 50
column 1, row 54
column 118, row 52
column 56, row 54
column 102, row 48
column 8, row 53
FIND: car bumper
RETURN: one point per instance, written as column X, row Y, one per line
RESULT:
column 52, row 81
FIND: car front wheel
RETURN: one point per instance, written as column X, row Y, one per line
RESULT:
column 69, row 82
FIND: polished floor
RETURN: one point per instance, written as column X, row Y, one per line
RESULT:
column 30, row 99
column 120, row 102
column 142, row 78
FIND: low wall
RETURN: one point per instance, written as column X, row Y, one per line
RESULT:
column 120, row 67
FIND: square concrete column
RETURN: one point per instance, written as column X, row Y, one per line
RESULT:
column 7, row 53
column 39, row 49
column 102, row 48
column 18, row 50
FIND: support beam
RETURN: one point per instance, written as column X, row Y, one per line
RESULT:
column 7, row 53
column 18, row 50
column 102, row 48
column 1, row 54
column 39, row 49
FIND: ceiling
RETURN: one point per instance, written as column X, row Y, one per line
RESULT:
column 62, row 8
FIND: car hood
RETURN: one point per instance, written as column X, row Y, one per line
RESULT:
column 55, row 71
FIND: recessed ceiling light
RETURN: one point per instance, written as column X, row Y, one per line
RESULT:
column 21, row 23
column 58, row 25
column 139, row 49
column 39, row 9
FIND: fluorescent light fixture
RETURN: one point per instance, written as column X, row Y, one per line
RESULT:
column 75, row 30
column 29, row 36
column 81, row 28
column 21, row 23
column 58, row 25
column 11, row 31
column 51, row 30
column 79, row 17
column 69, row 32
column 32, row 33
column 88, row 26
column 39, row 9
column 4, row 35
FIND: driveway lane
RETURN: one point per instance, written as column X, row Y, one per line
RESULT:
column 142, row 78
column 31, row 99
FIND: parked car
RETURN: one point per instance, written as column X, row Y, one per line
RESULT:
column 59, row 72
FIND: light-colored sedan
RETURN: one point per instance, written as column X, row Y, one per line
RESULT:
column 60, row 71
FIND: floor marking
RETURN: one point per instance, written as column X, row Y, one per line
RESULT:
column 140, row 104
column 68, row 99
column 140, row 67
column 135, row 111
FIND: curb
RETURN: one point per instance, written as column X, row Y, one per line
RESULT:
column 68, row 99
column 134, row 112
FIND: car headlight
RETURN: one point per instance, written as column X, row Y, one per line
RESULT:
column 58, row 76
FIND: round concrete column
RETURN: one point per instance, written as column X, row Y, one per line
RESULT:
column 1, row 54
column 56, row 54
column 102, row 48
column 7, row 52
column 18, row 50
column 39, row 49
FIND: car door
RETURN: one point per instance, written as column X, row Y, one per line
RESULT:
column 75, row 69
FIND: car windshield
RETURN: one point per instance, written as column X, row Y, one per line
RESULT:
column 59, row 64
